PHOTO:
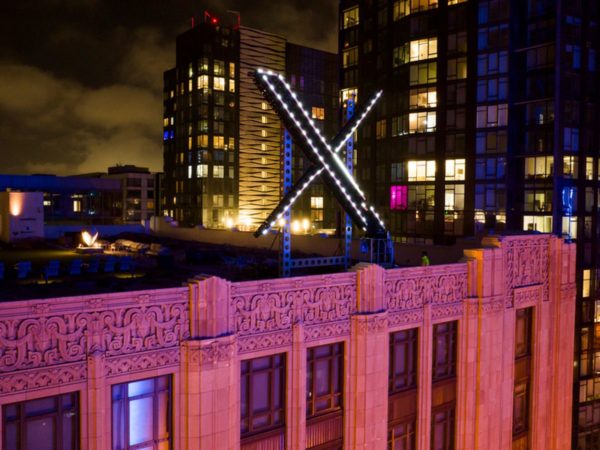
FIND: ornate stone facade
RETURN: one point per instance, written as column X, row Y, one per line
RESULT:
column 201, row 332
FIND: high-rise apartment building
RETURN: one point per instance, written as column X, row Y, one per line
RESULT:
column 488, row 121
column 222, row 141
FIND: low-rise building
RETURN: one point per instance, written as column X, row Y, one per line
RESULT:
column 471, row 355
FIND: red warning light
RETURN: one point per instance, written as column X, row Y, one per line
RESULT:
column 214, row 20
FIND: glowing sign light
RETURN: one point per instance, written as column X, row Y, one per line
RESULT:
column 88, row 239
column 323, row 155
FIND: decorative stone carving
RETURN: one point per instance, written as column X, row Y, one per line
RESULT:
column 447, row 311
column 264, row 341
column 273, row 306
column 335, row 329
column 405, row 317
column 27, row 343
column 28, row 380
column 143, row 361
column 527, row 296
column 408, row 289
column 526, row 263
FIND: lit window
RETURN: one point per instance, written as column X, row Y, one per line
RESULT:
column 76, row 205
column 398, row 197
column 455, row 169
column 350, row 17
column 141, row 414
column 542, row 224
column 421, row 122
column 190, row 171
column 318, row 113
column 539, row 167
column 348, row 94
column 316, row 202
column 589, row 168
column 423, row 98
column 231, row 70
column 570, row 166
column 219, row 83
column 263, row 174
column 421, row 170
column 203, row 82
column 380, row 129
column 418, row 50
column 219, row 67
column 203, row 140
column 263, row 133
column 219, row 142
column 401, row 8
column 231, row 85
column 454, row 198
column 202, row 170
column 457, row 69
column 263, row 105
column 585, row 289
column 350, row 57
column 166, row 122
column 218, row 171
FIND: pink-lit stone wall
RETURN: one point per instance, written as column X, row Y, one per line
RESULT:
column 200, row 333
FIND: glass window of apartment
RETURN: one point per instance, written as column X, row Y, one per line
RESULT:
column 444, row 350
column 219, row 67
column 570, row 167
column 422, row 5
column 442, row 428
column 219, row 142
column 492, row 116
column 350, row 17
column 202, row 170
column 398, row 197
column 542, row 224
column 316, row 202
column 380, row 129
column 218, row 171
column 403, row 360
column 539, row 167
column 589, row 168
column 423, row 73
column 50, row 423
column 350, row 57
column 400, row 9
column 538, row 200
column 142, row 414
column 421, row 170
column 423, row 98
column 318, row 113
column 262, row 394
column 219, row 83
column 203, row 82
column 521, row 400
column 325, row 368
column 455, row 169
column 422, row 122
column 457, row 69
column 454, row 197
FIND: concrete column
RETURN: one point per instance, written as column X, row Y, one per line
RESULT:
column 423, row 440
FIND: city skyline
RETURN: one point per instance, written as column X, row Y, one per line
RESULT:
column 84, row 91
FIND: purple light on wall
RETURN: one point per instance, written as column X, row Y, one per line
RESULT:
column 398, row 197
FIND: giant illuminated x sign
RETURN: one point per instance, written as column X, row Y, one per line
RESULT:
column 323, row 155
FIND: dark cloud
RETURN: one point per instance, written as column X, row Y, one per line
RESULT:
column 81, row 80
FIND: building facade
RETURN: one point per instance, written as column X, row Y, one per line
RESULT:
column 222, row 141
column 139, row 192
column 473, row 355
column 488, row 121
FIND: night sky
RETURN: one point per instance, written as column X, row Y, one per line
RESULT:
column 81, row 80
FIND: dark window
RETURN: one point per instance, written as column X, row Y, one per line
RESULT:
column 325, row 368
column 523, row 333
column 402, row 436
column 262, row 394
column 444, row 350
column 141, row 415
column 442, row 428
column 50, row 423
column 403, row 360
column 521, row 397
